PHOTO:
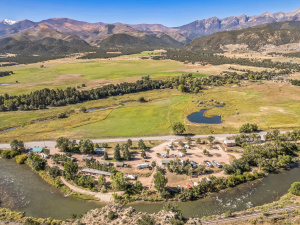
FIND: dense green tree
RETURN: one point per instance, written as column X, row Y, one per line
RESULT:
column 160, row 181
column 54, row 171
column 71, row 169
column 117, row 154
column 118, row 182
column 65, row 145
column 178, row 128
column 105, row 156
column 248, row 128
column 129, row 143
column 142, row 145
column 143, row 154
column 211, row 138
column 86, row 146
column 17, row 146
column 102, row 180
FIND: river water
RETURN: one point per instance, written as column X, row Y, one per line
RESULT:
column 23, row 190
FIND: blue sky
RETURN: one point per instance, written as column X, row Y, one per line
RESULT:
column 168, row 12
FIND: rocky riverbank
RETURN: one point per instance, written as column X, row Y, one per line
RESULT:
column 117, row 214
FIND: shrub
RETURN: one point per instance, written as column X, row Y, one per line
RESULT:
column 248, row 128
column 228, row 214
column 62, row 115
column 9, row 154
column 111, row 215
column 146, row 220
column 21, row 158
column 142, row 99
column 295, row 188
column 54, row 171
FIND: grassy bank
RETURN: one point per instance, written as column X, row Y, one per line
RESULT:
column 7, row 215
column 43, row 174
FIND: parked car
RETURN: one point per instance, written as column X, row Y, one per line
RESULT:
column 217, row 164
column 170, row 146
column 193, row 164
column 208, row 163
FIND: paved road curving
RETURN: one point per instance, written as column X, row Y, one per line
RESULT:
column 51, row 144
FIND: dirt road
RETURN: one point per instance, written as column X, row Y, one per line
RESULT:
column 51, row 144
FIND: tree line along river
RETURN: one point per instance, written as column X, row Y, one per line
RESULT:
column 23, row 190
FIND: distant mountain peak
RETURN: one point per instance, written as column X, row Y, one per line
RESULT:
column 8, row 22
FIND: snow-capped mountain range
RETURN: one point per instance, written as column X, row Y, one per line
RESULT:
column 8, row 22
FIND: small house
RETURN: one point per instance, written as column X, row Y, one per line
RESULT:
column 36, row 149
column 119, row 164
column 104, row 163
column 188, row 186
column 229, row 143
column 85, row 158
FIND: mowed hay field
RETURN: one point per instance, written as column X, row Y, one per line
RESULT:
column 130, row 119
column 92, row 73
column 270, row 105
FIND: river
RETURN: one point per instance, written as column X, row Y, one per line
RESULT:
column 23, row 190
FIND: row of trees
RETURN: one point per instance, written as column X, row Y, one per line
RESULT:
column 66, row 145
column 200, row 57
column 49, row 97
column 269, row 157
column 288, row 136
column 255, row 75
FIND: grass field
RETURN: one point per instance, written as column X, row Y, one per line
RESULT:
column 270, row 105
column 91, row 73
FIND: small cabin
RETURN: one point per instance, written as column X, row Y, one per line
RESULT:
column 36, row 149
column 85, row 158
column 229, row 143
column 119, row 164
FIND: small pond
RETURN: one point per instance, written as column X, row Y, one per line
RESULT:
column 129, row 101
column 12, row 128
column 94, row 109
column 198, row 117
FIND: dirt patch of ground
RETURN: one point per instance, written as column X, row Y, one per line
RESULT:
column 215, row 69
